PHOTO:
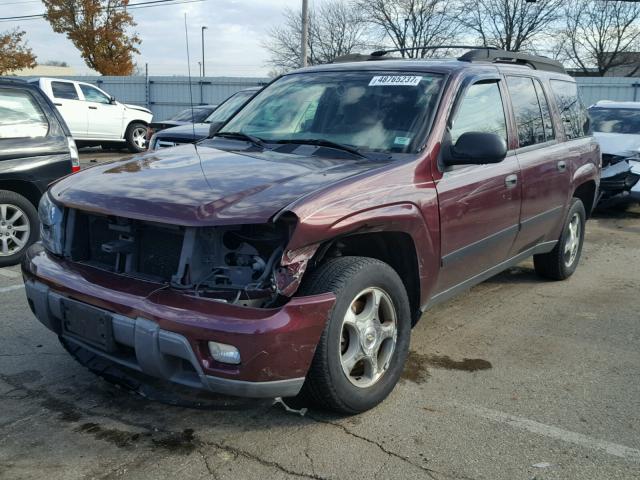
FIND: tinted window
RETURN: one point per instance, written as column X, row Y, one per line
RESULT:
column 92, row 94
column 615, row 120
column 367, row 110
column 547, row 123
column 529, row 118
column 199, row 115
column 229, row 107
column 64, row 90
column 481, row 110
column 20, row 115
column 572, row 112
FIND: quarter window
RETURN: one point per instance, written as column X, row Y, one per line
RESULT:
column 481, row 110
column 92, row 94
column 64, row 90
column 549, row 134
column 529, row 112
column 21, row 116
column 572, row 112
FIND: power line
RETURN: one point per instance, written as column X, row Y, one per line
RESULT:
column 132, row 6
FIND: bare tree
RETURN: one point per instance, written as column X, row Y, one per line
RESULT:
column 510, row 24
column 412, row 23
column 602, row 35
column 334, row 30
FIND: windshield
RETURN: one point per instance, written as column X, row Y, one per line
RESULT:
column 230, row 106
column 365, row 110
column 615, row 120
column 185, row 116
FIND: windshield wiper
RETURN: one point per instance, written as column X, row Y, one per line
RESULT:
column 242, row 136
column 321, row 142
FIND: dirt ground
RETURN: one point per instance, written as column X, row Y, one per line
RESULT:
column 518, row 379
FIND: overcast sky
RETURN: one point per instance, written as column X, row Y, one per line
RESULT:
column 232, row 42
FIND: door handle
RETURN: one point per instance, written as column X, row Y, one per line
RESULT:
column 93, row 108
column 58, row 104
column 511, row 180
column 562, row 165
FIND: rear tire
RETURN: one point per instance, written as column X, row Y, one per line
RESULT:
column 562, row 261
column 371, row 320
column 19, row 227
column 136, row 137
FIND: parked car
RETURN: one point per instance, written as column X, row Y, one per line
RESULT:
column 95, row 117
column 36, row 148
column 191, row 133
column 198, row 114
column 292, row 252
column 616, row 127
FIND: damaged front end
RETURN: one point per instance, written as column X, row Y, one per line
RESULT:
column 620, row 178
column 246, row 265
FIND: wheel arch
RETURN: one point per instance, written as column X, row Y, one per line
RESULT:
column 24, row 188
column 586, row 192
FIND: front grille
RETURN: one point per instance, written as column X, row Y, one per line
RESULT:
column 140, row 249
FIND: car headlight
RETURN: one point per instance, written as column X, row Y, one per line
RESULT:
column 51, row 224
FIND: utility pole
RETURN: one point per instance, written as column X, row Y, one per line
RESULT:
column 203, row 29
column 305, row 33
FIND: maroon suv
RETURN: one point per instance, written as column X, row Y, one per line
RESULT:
column 292, row 252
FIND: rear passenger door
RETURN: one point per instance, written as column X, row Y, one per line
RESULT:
column 74, row 111
column 479, row 204
column 543, row 163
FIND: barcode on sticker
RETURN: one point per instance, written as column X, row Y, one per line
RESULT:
column 385, row 80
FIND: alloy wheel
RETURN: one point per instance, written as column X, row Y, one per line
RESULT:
column 140, row 137
column 368, row 337
column 572, row 243
column 14, row 229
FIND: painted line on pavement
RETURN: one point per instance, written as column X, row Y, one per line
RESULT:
column 11, row 288
column 554, row 432
column 9, row 273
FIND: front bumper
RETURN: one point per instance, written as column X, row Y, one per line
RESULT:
column 164, row 334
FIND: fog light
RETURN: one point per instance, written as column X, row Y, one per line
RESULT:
column 224, row 353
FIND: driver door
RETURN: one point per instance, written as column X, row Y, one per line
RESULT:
column 104, row 119
column 479, row 204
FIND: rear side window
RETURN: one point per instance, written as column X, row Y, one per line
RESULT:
column 64, row 90
column 481, row 110
column 21, row 116
column 573, row 114
column 531, row 111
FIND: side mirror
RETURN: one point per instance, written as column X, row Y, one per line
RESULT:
column 476, row 148
column 112, row 100
column 214, row 127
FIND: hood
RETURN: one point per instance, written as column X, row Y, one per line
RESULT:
column 622, row 144
column 174, row 186
column 185, row 132
column 136, row 107
column 166, row 124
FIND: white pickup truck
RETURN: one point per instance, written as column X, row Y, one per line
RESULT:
column 95, row 117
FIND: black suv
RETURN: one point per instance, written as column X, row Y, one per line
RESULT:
column 36, row 148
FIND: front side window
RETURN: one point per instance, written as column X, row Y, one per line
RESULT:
column 383, row 112
column 92, row 94
column 20, row 115
column 615, row 120
column 64, row 90
column 481, row 110
column 572, row 112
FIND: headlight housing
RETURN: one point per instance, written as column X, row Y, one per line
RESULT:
column 51, row 224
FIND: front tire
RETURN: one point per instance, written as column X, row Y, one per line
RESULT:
column 363, row 348
column 136, row 137
column 562, row 261
column 19, row 227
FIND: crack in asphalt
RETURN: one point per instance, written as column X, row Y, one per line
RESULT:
column 434, row 474
column 211, row 471
column 262, row 461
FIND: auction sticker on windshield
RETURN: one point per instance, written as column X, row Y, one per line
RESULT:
column 385, row 80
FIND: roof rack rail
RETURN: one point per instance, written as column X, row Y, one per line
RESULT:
column 494, row 55
column 382, row 53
